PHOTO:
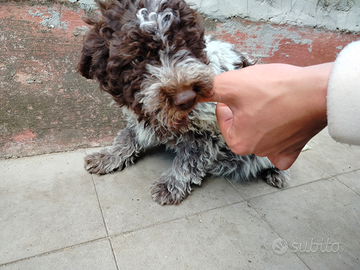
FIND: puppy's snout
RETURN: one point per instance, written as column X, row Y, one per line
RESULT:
column 185, row 100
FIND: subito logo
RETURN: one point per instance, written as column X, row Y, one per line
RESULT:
column 280, row 246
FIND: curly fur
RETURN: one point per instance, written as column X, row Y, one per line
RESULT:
column 153, row 58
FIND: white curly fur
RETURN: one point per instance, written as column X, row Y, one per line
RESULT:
column 192, row 133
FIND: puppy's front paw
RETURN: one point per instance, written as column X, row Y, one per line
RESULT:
column 102, row 163
column 277, row 178
column 170, row 191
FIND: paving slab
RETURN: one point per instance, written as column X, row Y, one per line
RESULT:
column 351, row 180
column 334, row 158
column 319, row 222
column 55, row 215
column 91, row 256
column 46, row 203
column 126, row 199
column 230, row 237
column 303, row 171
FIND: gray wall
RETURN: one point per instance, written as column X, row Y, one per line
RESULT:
column 341, row 15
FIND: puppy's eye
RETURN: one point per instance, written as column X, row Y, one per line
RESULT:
column 138, row 60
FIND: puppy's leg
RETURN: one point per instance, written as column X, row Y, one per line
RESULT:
column 170, row 188
column 272, row 175
column 175, row 184
column 237, row 168
column 275, row 177
column 121, row 154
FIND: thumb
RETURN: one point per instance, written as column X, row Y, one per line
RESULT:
column 224, row 117
column 284, row 162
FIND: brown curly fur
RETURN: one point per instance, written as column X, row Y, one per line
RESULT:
column 116, row 40
column 152, row 57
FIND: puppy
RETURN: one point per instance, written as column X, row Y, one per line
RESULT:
column 153, row 58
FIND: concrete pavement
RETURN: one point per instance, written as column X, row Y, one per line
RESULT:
column 55, row 215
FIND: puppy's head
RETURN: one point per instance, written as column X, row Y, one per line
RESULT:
column 149, row 55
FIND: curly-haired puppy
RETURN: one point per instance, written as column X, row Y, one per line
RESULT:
column 153, row 58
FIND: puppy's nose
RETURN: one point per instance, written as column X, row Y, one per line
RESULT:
column 185, row 100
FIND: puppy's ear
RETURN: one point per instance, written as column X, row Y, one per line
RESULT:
column 85, row 62
column 95, row 52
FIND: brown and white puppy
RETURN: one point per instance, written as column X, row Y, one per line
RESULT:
column 153, row 58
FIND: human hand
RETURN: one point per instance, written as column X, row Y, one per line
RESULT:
column 271, row 110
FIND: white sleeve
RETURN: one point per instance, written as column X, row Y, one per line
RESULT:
column 343, row 96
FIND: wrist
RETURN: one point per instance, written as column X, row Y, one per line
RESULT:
column 317, row 81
